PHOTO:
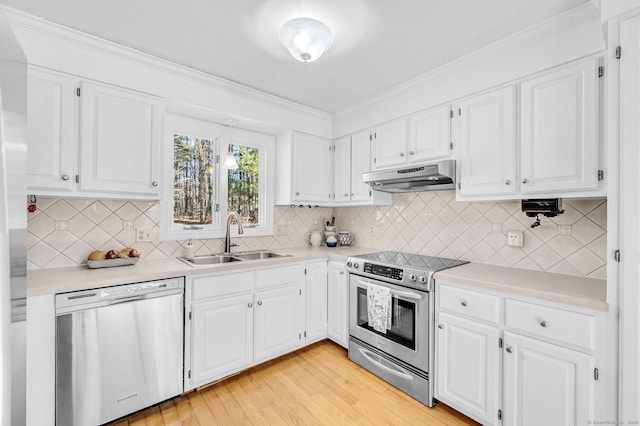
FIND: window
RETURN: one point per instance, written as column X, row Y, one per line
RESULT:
column 200, row 193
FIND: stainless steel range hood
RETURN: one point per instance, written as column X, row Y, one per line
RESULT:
column 425, row 177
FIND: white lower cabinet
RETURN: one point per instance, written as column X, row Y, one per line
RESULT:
column 508, row 360
column 338, row 303
column 468, row 368
column 546, row 384
column 236, row 320
column 279, row 321
column 222, row 333
column 316, row 301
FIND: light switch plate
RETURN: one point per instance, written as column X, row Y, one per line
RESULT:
column 515, row 238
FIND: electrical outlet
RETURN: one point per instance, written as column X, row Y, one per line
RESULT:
column 143, row 234
column 128, row 224
column 60, row 226
column 564, row 229
column 372, row 231
column 515, row 238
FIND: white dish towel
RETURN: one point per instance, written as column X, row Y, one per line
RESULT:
column 379, row 307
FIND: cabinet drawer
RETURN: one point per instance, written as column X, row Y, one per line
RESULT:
column 568, row 327
column 275, row 277
column 221, row 285
column 481, row 306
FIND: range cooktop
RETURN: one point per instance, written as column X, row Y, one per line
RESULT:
column 407, row 269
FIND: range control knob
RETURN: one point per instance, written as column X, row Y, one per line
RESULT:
column 422, row 279
column 412, row 277
column 349, row 264
column 355, row 265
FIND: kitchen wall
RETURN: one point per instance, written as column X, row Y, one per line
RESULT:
column 433, row 223
column 62, row 232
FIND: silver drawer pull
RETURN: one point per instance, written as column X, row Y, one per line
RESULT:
column 543, row 324
column 440, row 326
column 464, row 303
column 249, row 305
column 509, row 349
column 65, row 177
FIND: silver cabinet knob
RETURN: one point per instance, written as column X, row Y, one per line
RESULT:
column 440, row 326
column 509, row 349
column 259, row 302
column 351, row 194
column 65, row 177
column 250, row 305
column 412, row 153
column 154, row 183
column 346, row 194
column 544, row 324
column 297, row 192
column 507, row 182
column 402, row 154
column 341, row 272
column 525, row 180
column 464, row 303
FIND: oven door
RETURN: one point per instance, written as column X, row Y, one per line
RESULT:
column 411, row 322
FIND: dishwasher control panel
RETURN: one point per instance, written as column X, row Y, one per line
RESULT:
column 116, row 294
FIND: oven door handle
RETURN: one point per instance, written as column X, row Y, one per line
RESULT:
column 371, row 357
column 397, row 293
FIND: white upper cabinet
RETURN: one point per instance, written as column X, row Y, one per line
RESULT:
column 488, row 143
column 555, row 152
column 559, row 130
column 311, row 169
column 422, row 137
column 342, row 179
column 51, row 131
column 352, row 156
column 360, row 163
column 430, row 135
column 120, row 134
column 117, row 153
column 389, row 145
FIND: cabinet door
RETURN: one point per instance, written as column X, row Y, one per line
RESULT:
column 468, row 367
column 342, row 168
column 222, row 338
column 51, row 131
column 316, row 301
column 389, row 147
column 120, row 143
column 559, row 130
column 430, row 135
column 360, row 163
column 279, row 321
column 338, row 295
column 312, row 170
column 545, row 384
column 488, row 144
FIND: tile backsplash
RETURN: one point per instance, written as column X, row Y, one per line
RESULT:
column 63, row 231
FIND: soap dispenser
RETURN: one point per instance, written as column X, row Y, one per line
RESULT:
column 188, row 250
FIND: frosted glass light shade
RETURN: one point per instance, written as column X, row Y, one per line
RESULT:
column 305, row 38
column 230, row 162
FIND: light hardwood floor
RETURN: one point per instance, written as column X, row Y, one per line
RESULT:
column 316, row 385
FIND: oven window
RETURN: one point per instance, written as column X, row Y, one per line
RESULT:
column 403, row 320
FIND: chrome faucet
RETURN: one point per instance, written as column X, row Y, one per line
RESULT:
column 227, row 238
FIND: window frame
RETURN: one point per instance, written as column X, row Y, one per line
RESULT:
column 265, row 143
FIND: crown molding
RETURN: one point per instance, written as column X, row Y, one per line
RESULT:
column 70, row 36
column 573, row 17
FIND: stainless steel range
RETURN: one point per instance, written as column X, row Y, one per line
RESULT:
column 402, row 351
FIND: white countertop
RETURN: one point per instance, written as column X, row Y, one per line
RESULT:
column 42, row 282
column 574, row 290
column 570, row 289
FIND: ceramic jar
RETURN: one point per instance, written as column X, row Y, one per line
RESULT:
column 315, row 238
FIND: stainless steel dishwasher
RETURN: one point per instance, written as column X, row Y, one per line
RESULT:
column 118, row 350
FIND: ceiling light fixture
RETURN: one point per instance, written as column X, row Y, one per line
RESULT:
column 306, row 38
column 230, row 160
